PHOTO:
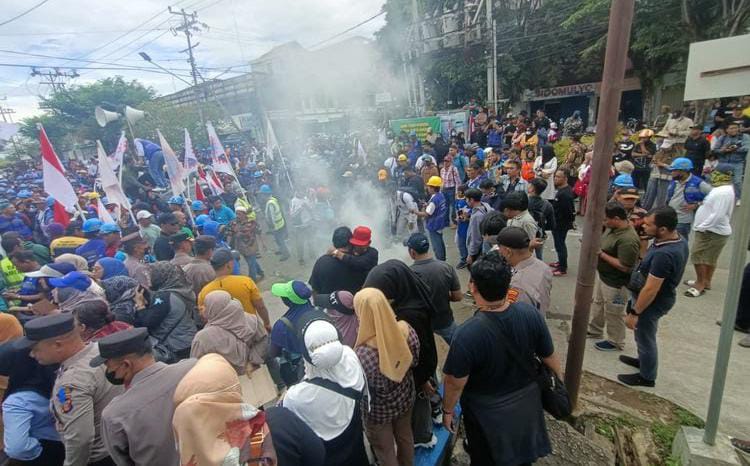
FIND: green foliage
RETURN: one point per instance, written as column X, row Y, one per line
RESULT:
column 70, row 112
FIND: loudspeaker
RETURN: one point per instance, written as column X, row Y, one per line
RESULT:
column 133, row 114
column 104, row 116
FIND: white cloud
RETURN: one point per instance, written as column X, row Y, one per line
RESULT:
column 239, row 31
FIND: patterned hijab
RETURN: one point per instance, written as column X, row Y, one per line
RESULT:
column 166, row 276
column 120, row 293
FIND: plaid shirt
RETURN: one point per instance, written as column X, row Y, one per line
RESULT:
column 388, row 399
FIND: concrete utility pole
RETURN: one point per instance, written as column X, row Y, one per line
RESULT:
column 618, row 34
column 189, row 25
column 54, row 77
column 490, row 56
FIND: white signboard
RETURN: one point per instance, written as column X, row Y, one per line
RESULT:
column 718, row 68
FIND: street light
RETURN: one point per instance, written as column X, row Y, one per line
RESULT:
column 147, row 58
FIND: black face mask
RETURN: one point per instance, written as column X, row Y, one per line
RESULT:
column 111, row 378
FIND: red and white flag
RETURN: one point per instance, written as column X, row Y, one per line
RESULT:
column 55, row 182
column 219, row 159
column 212, row 181
column 199, row 196
column 116, row 158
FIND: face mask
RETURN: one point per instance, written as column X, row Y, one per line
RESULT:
column 114, row 380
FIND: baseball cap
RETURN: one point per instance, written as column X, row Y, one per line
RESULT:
column 109, row 228
column 222, row 256
column 179, row 237
column 361, row 236
column 54, row 270
column 624, row 181
column 133, row 340
column 513, row 237
column 724, row 168
column 341, row 301
column 45, row 327
column 418, row 242
column 78, row 280
column 630, row 193
column 143, row 214
column 295, row 291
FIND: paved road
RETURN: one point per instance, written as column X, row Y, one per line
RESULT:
column 688, row 336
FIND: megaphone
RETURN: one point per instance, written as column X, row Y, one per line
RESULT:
column 133, row 114
column 105, row 116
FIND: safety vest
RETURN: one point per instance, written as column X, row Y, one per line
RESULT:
column 439, row 218
column 12, row 276
column 274, row 216
column 242, row 202
column 692, row 191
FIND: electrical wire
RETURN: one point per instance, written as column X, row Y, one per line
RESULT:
column 24, row 13
column 65, row 33
column 382, row 12
column 95, row 62
column 150, row 70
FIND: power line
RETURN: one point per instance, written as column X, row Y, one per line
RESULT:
column 149, row 70
column 39, row 55
column 382, row 12
column 24, row 13
column 65, row 33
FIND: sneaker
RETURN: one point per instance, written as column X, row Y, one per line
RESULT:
column 630, row 361
column 461, row 265
column 635, row 380
column 745, row 342
column 606, row 345
column 430, row 444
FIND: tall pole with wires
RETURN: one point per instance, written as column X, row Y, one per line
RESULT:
column 189, row 25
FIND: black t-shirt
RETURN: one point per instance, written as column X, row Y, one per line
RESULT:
column 163, row 249
column 477, row 352
column 441, row 278
column 665, row 260
column 295, row 443
column 742, row 120
column 330, row 274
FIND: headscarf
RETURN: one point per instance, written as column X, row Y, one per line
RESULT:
column 326, row 412
column 112, row 267
column 68, row 297
column 410, row 300
column 10, row 327
column 120, row 293
column 166, row 276
column 231, row 332
column 211, row 422
column 379, row 329
column 79, row 262
column 548, row 153
column 24, row 372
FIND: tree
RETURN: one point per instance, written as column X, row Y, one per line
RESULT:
column 70, row 112
column 172, row 121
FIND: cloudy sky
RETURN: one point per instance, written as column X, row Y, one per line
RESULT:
column 109, row 34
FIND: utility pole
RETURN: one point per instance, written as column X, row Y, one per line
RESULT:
column 618, row 34
column 7, row 114
column 54, row 77
column 495, row 84
column 490, row 58
column 415, row 38
column 190, row 24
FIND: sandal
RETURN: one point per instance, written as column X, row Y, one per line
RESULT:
column 559, row 273
column 554, row 265
column 691, row 283
column 694, row 292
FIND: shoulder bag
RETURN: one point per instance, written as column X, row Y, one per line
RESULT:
column 555, row 398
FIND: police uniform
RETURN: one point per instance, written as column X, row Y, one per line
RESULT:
column 137, row 425
column 79, row 396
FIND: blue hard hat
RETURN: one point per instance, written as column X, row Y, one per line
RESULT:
column 682, row 163
column 624, row 181
column 197, row 205
column 24, row 194
column 91, row 225
column 109, row 228
column 11, row 192
column 50, row 201
column 179, row 200
column 258, row 174
column 201, row 220
column 265, row 189
column 121, row 256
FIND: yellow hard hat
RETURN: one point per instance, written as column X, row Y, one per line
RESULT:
column 91, row 195
column 435, row 181
column 382, row 175
column 402, row 158
column 646, row 133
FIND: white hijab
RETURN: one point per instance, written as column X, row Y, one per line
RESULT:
column 326, row 412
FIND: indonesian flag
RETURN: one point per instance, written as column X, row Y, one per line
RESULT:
column 212, row 181
column 109, row 181
column 174, row 168
column 199, row 192
column 191, row 161
column 116, row 158
column 219, row 159
column 55, row 182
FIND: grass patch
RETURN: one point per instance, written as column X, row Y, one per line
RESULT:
column 664, row 434
column 604, row 425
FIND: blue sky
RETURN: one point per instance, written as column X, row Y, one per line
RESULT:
column 239, row 31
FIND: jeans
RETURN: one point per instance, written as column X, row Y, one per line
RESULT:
column 743, row 306
column 438, row 245
column 447, row 332
column 737, row 176
column 461, row 245
column 156, row 169
column 280, row 237
column 684, row 230
column 253, row 266
column 645, row 340
column 656, row 193
column 561, row 248
column 450, row 199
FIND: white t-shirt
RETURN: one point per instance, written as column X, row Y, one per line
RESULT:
column 715, row 214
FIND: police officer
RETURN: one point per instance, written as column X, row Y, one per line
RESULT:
column 137, row 425
column 80, row 393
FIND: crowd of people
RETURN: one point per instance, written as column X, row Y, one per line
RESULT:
column 127, row 334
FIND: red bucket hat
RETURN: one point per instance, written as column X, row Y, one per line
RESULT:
column 362, row 236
